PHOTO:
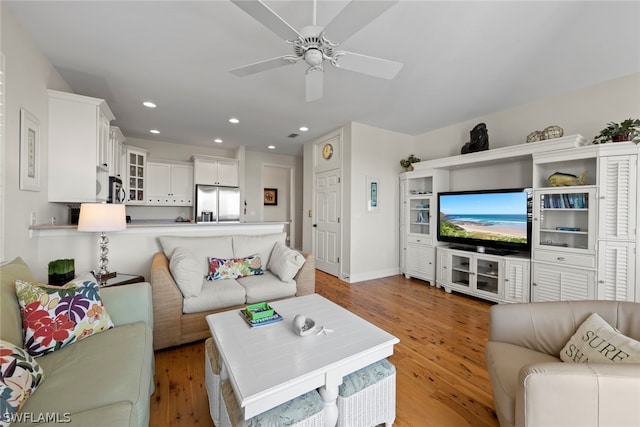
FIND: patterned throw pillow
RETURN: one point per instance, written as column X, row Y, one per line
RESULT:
column 235, row 268
column 53, row 316
column 20, row 376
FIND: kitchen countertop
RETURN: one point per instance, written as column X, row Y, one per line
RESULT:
column 142, row 223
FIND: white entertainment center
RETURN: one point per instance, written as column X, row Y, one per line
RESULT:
column 579, row 250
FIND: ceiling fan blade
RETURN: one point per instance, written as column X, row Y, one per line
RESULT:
column 353, row 17
column 370, row 65
column 260, row 66
column 267, row 17
column 314, row 81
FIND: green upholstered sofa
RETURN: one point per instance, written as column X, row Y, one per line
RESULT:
column 102, row 380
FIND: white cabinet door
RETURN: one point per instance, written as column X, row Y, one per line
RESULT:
column 182, row 189
column 114, row 155
column 559, row 283
column 76, row 148
column 169, row 184
column 616, row 271
column 442, row 267
column 228, row 173
column 517, row 279
column 420, row 262
column 617, row 207
column 158, row 183
column 209, row 171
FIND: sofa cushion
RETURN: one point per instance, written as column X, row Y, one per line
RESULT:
column 102, row 370
column 222, row 269
column 266, row 287
column 215, row 295
column 187, row 271
column 244, row 246
column 10, row 318
column 595, row 341
column 504, row 362
column 20, row 376
column 201, row 247
column 56, row 316
column 285, row 263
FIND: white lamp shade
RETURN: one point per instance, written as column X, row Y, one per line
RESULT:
column 102, row 217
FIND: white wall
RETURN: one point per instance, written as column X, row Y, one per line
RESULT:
column 583, row 112
column 254, row 164
column 28, row 76
column 374, row 237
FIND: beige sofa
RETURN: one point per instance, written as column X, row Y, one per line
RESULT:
column 533, row 387
column 183, row 297
column 102, row 380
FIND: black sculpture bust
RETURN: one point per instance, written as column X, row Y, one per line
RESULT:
column 479, row 139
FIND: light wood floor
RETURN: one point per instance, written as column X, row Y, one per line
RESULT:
column 441, row 375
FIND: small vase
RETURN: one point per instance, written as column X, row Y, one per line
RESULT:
column 409, row 168
column 620, row 138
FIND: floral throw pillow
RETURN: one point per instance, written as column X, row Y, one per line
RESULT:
column 53, row 316
column 20, row 376
column 234, row 268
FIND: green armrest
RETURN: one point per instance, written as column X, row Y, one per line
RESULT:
column 129, row 303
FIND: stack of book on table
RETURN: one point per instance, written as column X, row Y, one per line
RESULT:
column 259, row 314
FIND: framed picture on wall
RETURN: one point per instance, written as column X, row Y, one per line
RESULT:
column 373, row 185
column 270, row 196
column 29, row 151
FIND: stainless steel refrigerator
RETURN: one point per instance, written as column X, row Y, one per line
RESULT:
column 217, row 204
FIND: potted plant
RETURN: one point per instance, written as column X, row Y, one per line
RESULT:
column 627, row 130
column 407, row 163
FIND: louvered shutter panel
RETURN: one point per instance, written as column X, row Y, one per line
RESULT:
column 617, row 216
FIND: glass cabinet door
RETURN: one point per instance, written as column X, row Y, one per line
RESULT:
column 487, row 275
column 420, row 215
column 564, row 219
column 460, row 270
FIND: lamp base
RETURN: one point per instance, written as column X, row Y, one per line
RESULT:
column 102, row 278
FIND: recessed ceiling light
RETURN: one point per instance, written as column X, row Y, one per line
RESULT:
column 149, row 104
column 234, row 120
column 303, row 129
column 156, row 131
column 218, row 141
column 271, row 147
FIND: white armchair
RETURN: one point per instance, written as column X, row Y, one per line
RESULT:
column 533, row 387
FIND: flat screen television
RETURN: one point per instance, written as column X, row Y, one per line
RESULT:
column 495, row 219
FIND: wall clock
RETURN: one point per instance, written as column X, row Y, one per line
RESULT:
column 327, row 151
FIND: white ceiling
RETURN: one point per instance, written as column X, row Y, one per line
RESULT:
column 461, row 60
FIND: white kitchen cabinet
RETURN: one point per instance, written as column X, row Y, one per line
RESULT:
column 215, row 171
column 135, row 181
column 169, row 184
column 552, row 282
column 115, row 153
column 78, row 142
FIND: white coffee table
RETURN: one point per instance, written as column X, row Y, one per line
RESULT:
column 270, row 364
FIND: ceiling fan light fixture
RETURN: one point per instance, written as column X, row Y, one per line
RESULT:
column 313, row 57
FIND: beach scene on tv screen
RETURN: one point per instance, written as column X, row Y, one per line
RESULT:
column 485, row 216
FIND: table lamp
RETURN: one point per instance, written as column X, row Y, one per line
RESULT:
column 102, row 217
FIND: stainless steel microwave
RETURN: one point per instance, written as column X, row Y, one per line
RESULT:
column 116, row 192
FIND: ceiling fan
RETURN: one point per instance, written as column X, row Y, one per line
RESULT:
column 312, row 46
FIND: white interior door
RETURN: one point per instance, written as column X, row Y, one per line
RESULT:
column 327, row 224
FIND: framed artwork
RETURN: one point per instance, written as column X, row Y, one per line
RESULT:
column 29, row 151
column 373, row 201
column 270, row 196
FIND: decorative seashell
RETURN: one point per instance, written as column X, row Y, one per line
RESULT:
column 551, row 132
column 534, row 136
column 302, row 325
